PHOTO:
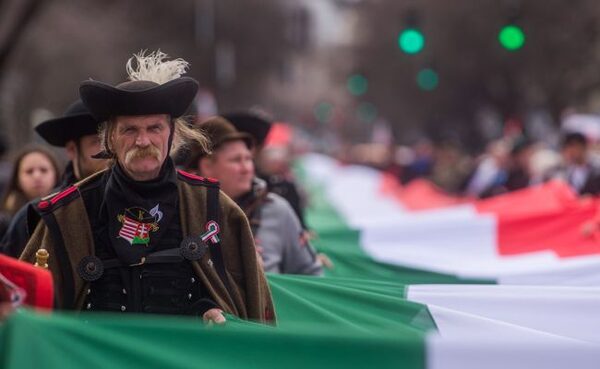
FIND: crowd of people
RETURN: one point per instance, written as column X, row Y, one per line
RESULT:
column 509, row 163
column 159, row 211
column 156, row 213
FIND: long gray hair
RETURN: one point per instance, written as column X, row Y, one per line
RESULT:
column 184, row 137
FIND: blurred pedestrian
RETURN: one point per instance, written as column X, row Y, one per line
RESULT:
column 272, row 161
column 421, row 164
column 491, row 170
column 451, row 166
column 276, row 228
column 518, row 169
column 576, row 168
column 35, row 173
column 77, row 132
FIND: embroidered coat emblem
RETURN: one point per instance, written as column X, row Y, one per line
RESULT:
column 138, row 224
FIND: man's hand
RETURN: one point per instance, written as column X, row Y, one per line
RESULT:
column 214, row 315
column 325, row 260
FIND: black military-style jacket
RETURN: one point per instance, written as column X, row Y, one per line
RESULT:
column 229, row 274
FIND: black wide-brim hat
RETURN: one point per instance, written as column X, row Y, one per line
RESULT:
column 75, row 123
column 138, row 97
column 252, row 124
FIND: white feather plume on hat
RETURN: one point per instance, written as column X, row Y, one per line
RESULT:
column 153, row 67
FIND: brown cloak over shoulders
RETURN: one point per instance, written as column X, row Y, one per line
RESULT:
column 249, row 298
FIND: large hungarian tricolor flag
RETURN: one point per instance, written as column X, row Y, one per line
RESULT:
column 332, row 323
column 372, row 226
column 421, row 280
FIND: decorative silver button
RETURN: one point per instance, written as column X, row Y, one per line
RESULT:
column 88, row 306
column 88, row 291
column 124, row 291
column 210, row 263
column 123, row 308
column 193, row 280
column 189, row 296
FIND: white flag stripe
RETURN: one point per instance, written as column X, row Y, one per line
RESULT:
column 533, row 322
column 456, row 324
column 522, row 351
column 562, row 311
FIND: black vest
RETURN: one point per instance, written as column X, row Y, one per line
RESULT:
column 164, row 284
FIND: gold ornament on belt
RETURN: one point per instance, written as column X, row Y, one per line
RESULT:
column 41, row 258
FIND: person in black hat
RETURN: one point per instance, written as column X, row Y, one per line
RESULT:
column 276, row 229
column 77, row 132
column 258, row 127
column 516, row 173
column 576, row 168
column 143, row 237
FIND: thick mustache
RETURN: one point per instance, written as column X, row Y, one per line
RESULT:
column 142, row 152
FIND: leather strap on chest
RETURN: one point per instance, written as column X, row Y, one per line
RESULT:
column 212, row 212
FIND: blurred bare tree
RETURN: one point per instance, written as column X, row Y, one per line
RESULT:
column 16, row 16
column 52, row 48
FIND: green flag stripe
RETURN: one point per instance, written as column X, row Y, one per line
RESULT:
column 347, row 304
column 332, row 322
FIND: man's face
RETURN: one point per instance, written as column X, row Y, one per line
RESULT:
column 88, row 145
column 141, row 144
column 232, row 165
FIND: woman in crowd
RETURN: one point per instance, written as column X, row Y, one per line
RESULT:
column 35, row 173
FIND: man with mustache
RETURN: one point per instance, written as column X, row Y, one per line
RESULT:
column 143, row 237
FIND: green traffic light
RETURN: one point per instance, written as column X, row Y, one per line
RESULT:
column 357, row 84
column 411, row 41
column 511, row 37
column 427, row 79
